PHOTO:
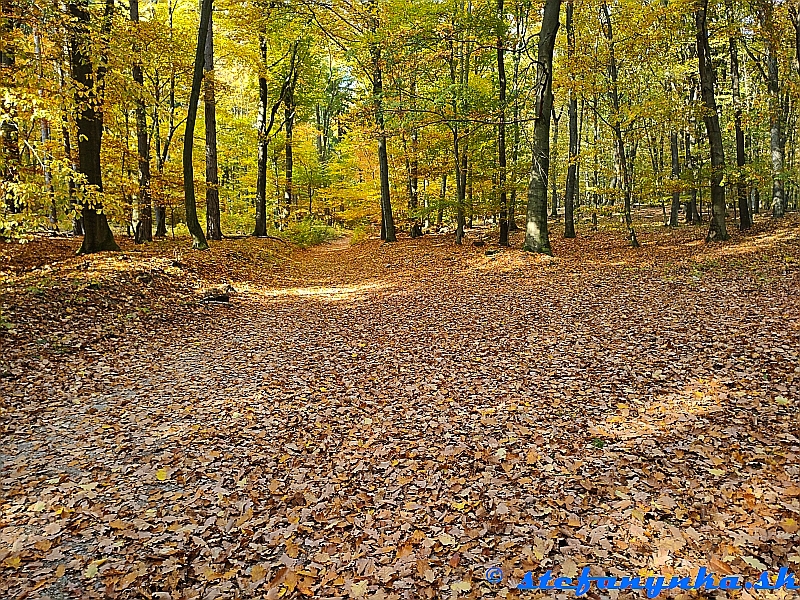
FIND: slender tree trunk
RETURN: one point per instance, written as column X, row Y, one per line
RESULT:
column 289, row 114
column 765, row 11
column 462, row 163
column 676, row 174
column 89, row 121
column 144, row 228
column 512, row 203
column 501, row 127
column 387, row 219
column 440, row 213
column 554, row 165
column 745, row 220
column 198, row 238
column 263, row 147
column 775, row 136
column 213, row 228
column 536, row 234
column 717, row 230
column 574, row 137
column 414, row 167
column 616, row 126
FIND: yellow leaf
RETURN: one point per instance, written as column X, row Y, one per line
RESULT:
column 257, row 573
column 446, row 539
column 755, row 563
column 118, row 524
column 461, row 586
column 790, row 525
column 717, row 472
column 13, row 561
column 60, row 570
column 358, row 590
column 162, row 474
column 91, row 570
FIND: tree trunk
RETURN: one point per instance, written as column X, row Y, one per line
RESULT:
column 554, row 165
column 387, row 219
column 717, row 230
column 144, row 228
column 536, row 234
column 574, row 137
column 676, row 174
column 501, row 127
column 213, row 228
column 289, row 114
column 414, row 179
column 198, row 238
column 263, row 147
column 440, row 213
column 9, row 128
column 775, row 135
column 745, row 219
column 462, row 163
column 89, row 122
column 616, row 126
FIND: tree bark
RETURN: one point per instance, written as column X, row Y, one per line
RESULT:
column 144, row 228
column 288, row 116
column 676, row 174
column 616, row 126
column 574, row 138
column 198, row 238
column 501, row 126
column 745, row 219
column 717, row 229
column 536, row 234
column 388, row 233
column 765, row 11
column 263, row 147
column 554, row 164
column 89, row 121
column 213, row 227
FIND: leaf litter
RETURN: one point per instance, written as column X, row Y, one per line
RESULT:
column 388, row 421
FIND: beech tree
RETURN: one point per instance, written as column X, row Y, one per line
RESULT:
column 536, row 233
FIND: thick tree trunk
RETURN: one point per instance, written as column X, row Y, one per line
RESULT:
column 213, row 228
column 198, row 238
column 717, row 230
column 144, row 229
column 89, row 122
column 676, row 174
column 501, row 127
column 536, row 234
column 9, row 128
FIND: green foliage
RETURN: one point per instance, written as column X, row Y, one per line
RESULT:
column 308, row 232
column 361, row 233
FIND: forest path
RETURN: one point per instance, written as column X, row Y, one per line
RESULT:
column 387, row 420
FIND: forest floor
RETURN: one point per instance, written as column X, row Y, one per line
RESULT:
column 387, row 421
